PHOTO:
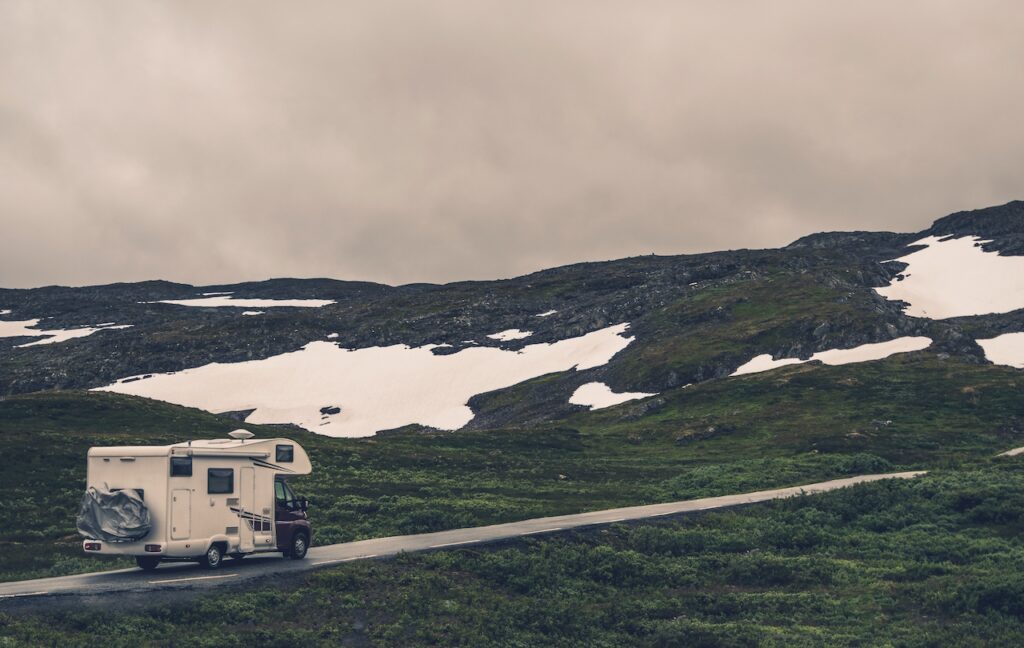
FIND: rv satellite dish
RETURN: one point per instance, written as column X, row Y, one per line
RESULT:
column 241, row 434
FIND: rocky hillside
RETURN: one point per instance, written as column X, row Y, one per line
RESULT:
column 691, row 319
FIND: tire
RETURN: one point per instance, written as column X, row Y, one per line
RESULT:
column 300, row 546
column 213, row 557
column 148, row 563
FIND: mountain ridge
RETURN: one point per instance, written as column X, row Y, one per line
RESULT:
column 693, row 317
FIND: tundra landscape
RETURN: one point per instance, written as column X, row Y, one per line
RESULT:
column 516, row 324
column 655, row 379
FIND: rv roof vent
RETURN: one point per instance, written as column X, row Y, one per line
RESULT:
column 241, row 434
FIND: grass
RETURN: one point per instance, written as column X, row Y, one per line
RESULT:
column 929, row 562
column 797, row 425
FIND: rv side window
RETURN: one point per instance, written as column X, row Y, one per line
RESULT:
column 220, row 481
column 181, row 466
column 285, row 454
column 283, row 493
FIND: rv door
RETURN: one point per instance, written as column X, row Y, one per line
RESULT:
column 181, row 514
column 248, row 515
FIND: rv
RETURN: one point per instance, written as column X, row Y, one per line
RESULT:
column 200, row 500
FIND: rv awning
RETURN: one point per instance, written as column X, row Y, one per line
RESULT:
column 227, row 452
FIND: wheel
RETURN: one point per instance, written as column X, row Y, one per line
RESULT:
column 300, row 545
column 212, row 558
column 149, row 563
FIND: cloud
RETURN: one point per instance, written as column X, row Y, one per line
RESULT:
column 414, row 141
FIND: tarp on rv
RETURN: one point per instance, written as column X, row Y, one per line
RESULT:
column 113, row 516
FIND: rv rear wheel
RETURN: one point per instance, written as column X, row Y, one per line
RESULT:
column 212, row 558
column 149, row 563
column 300, row 545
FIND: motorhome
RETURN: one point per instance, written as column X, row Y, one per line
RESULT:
column 203, row 500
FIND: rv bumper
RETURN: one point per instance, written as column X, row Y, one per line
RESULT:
column 169, row 549
column 115, row 549
column 123, row 549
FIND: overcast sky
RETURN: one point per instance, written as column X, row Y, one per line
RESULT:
column 440, row 140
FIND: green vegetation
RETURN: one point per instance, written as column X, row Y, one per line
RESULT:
column 929, row 562
column 740, row 320
column 798, row 425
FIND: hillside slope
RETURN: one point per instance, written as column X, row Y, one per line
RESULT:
column 689, row 319
column 933, row 560
column 796, row 425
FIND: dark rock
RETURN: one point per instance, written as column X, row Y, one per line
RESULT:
column 1002, row 224
column 237, row 415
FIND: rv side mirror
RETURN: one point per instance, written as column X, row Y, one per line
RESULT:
column 303, row 504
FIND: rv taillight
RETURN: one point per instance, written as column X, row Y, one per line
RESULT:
column 153, row 548
column 93, row 546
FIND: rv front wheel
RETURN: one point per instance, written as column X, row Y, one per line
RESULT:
column 300, row 545
column 212, row 558
column 149, row 563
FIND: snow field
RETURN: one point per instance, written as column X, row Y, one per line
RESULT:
column 220, row 301
column 863, row 353
column 955, row 277
column 597, row 395
column 510, row 334
column 1007, row 349
column 377, row 388
column 26, row 328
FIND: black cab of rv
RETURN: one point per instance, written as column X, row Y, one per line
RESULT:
column 291, row 520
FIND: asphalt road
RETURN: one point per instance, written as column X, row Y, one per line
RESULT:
column 184, row 578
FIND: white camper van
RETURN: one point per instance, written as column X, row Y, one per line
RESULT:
column 199, row 500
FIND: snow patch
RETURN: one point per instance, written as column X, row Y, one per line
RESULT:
column 510, row 334
column 26, row 329
column 331, row 336
column 252, row 312
column 597, row 395
column 377, row 388
column 222, row 301
column 955, row 277
column 217, row 293
column 5, row 312
column 863, row 353
column 1007, row 349
column 764, row 362
column 546, row 313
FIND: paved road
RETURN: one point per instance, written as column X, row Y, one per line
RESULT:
column 188, row 577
